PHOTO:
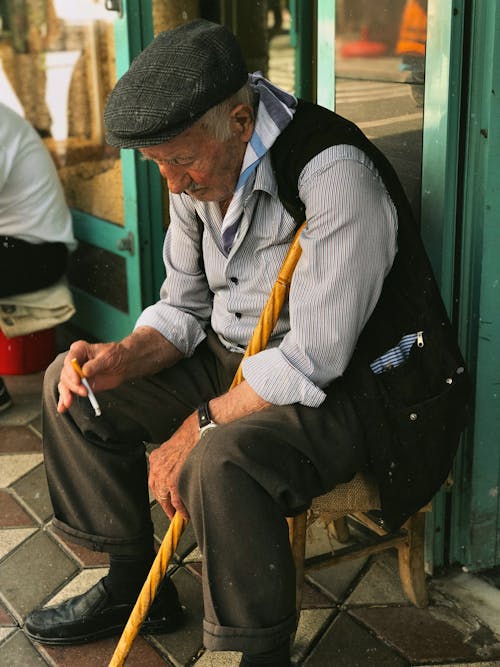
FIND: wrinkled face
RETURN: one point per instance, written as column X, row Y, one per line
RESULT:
column 200, row 165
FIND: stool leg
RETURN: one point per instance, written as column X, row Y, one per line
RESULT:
column 297, row 531
column 411, row 561
column 340, row 529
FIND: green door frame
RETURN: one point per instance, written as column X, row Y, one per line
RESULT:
column 476, row 513
column 325, row 54
column 302, row 38
column 140, row 177
column 440, row 174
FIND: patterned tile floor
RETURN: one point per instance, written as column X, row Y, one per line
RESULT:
column 353, row 614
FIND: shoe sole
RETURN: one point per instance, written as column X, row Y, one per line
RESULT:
column 147, row 628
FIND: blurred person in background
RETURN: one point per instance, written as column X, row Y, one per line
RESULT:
column 36, row 229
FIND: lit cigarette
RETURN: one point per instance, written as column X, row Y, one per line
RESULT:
column 91, row 395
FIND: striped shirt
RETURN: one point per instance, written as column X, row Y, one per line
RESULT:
column 348, row 248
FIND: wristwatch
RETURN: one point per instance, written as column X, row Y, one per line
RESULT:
column 204, row 419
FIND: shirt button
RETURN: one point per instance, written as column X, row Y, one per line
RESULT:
column 238, row 315
column 234, row 280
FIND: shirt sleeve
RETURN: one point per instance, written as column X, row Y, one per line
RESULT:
column 183, row 310
column 3, row 167
column 348, row 248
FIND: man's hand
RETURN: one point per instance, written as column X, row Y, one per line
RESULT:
column 105, row 361
column 165, row 465
column 107, row 365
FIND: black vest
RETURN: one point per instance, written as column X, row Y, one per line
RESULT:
column 413, row 415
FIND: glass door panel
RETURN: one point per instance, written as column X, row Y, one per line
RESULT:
column 380, row 75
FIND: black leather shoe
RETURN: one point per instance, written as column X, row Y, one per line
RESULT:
column 91, row 616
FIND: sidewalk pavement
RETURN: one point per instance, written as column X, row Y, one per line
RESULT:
column 354, row 614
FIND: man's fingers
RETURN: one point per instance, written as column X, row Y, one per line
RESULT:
column 176, row 501
column 171, row 503
column 65, row 398
column 167, row 506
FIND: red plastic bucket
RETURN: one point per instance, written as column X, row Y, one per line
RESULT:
column 27, row 354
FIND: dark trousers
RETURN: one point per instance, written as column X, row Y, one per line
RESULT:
column 238, row 484
column 26, row 267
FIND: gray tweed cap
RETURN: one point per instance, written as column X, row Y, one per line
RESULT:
column 172, row 83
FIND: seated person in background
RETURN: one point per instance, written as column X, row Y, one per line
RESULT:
column 36, row 231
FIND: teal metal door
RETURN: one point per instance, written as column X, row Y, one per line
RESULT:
column 475, row 508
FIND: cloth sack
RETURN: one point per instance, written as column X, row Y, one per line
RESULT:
column 22, row 314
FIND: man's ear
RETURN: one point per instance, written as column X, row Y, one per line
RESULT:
column 243, row 120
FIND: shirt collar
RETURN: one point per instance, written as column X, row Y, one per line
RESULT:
column 264, row 177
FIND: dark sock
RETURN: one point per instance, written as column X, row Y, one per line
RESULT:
column 278, row 657
column 126, row 576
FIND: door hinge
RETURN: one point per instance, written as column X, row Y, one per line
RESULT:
column 126, row 244
column 114, row 6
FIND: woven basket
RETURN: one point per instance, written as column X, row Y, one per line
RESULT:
column 359, row 495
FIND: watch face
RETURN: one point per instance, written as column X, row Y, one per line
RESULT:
column 207, row 427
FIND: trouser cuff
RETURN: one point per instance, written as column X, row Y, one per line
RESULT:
column 111, row 545
column 247, row 640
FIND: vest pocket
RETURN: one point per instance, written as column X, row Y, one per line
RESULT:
column 425, row 403
column 429, row 371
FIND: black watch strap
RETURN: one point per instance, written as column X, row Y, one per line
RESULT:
column 204, row 418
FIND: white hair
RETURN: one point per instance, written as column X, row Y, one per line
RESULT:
column 216, row 121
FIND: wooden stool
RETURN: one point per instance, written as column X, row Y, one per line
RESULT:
column 357, row 499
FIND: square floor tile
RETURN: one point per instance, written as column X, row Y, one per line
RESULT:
column 19, row 440
column 11, row 538
column 24, row 410
column 18, row 651
column 337, row 580
column 15, row 466
column 416, row 633
column 98, row 654
column 12, row 515
column 28, row 385
column 481, row 598
column 380, row 584
column 33, row 572
column 346, row 644
column 34, row 491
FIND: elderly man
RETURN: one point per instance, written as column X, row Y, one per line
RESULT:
column 239, row 156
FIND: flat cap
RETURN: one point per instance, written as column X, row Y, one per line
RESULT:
column 172, row 83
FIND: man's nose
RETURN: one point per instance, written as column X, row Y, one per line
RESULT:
column 177, row 178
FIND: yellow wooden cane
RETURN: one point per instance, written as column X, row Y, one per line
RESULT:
column 258, row 341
